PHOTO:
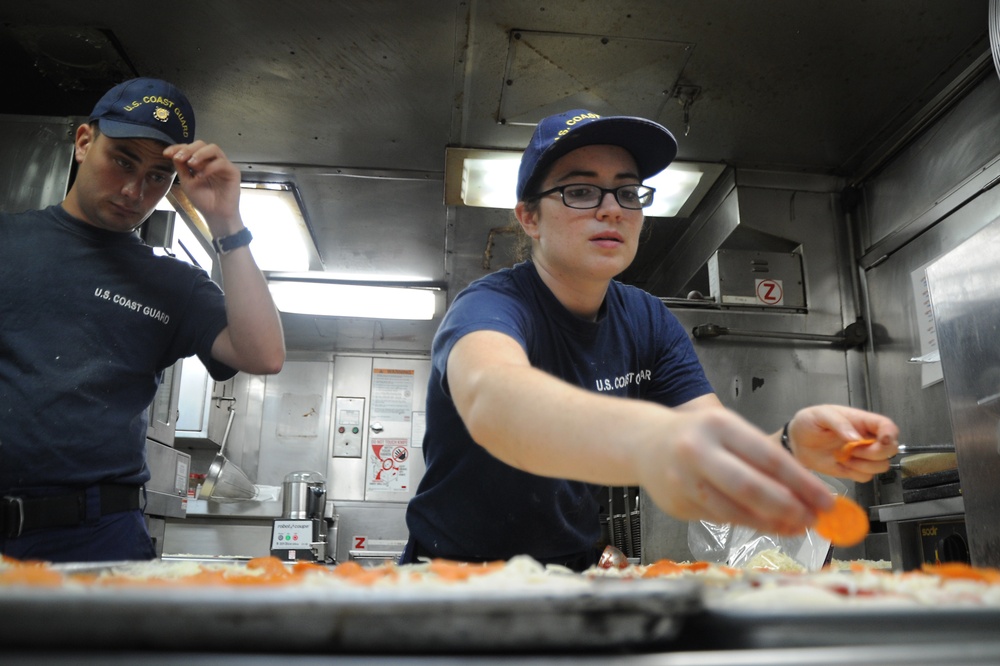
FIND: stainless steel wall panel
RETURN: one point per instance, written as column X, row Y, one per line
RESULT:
column 295, row 428
column 937, row 194
column 963, row 146
column 36, row 154
column 912, row 193
column 352, row 378
column 964, row 286
column 922, row 413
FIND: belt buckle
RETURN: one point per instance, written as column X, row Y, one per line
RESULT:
column 13, row 515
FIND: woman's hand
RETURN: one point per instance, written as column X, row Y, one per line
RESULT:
column 713, row 465
column 816, row 434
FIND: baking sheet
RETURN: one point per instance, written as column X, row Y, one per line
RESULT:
column 755, row 629
column 605, row 613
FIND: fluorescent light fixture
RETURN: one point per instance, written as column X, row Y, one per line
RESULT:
column 487, row 178
column 490, row 180
column 334, row 299
column 281, row 239
column 673, row 186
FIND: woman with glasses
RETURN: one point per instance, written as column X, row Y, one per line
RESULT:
column 551, row 381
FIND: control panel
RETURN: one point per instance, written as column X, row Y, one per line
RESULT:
column 347, row 431
column 944, row 541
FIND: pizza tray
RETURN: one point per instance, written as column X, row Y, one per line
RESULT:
column 781, row 628
column 603, row 614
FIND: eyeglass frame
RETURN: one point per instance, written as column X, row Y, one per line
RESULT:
column 604, row 190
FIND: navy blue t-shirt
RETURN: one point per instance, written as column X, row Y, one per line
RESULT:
column 89, row 319
column 470, row 505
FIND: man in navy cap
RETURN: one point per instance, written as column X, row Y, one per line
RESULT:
column 551, row 381
column 90, row 318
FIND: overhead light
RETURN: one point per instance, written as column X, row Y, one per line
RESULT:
column 271, row 211
column 282, row 241
column 487, row 178
column 323, row 298
column 676, row 185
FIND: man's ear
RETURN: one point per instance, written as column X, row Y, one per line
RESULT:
column 527, row 218
column 84, row 140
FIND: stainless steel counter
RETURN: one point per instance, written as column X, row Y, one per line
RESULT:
column 968, row 654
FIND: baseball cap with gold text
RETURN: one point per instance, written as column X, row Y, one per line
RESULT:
column 145, row 108
column 652, row 145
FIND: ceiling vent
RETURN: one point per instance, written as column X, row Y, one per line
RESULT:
column 549, row 72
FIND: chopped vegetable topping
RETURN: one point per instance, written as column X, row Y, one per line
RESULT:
column 847, row 450
column 846, row 524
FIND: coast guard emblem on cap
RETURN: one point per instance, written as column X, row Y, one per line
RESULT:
column 161, row 114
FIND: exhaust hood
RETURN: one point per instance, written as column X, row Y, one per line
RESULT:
column 674, row 258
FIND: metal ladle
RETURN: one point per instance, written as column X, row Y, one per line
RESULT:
column 225, row 482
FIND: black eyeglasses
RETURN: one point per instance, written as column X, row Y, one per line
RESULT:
column 584, row 195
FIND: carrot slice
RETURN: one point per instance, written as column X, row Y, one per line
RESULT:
column 31, row 574
column 962, row 570
column 662, row 567
column 452, row 570
column 362, row 575
column 845, row 452
column 846, row 524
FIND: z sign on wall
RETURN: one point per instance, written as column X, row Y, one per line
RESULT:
column 770, row 292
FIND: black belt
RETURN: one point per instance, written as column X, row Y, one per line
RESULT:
column 20, row 514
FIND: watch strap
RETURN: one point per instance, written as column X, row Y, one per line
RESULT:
column 229, row 243
column 785, row 439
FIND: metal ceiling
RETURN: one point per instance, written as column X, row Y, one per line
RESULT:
column 355, row 102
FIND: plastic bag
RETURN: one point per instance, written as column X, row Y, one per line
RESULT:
column 745, row 547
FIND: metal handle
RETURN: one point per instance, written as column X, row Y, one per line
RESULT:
column 229, row 426
column 854, row 335
column 926, row 448
column 912, row 449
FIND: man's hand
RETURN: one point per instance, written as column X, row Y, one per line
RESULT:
column 211, row 182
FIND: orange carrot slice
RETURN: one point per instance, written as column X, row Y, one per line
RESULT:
column 452, row 570
column 846, row 451
column 31, row 574
column 362, row 575
column 962, row 570
column 662, row 567
column 846, row 524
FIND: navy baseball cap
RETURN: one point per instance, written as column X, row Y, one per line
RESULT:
column 652, row 146
column 145, row 109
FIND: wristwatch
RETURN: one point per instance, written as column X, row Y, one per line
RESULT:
column 227, row 244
